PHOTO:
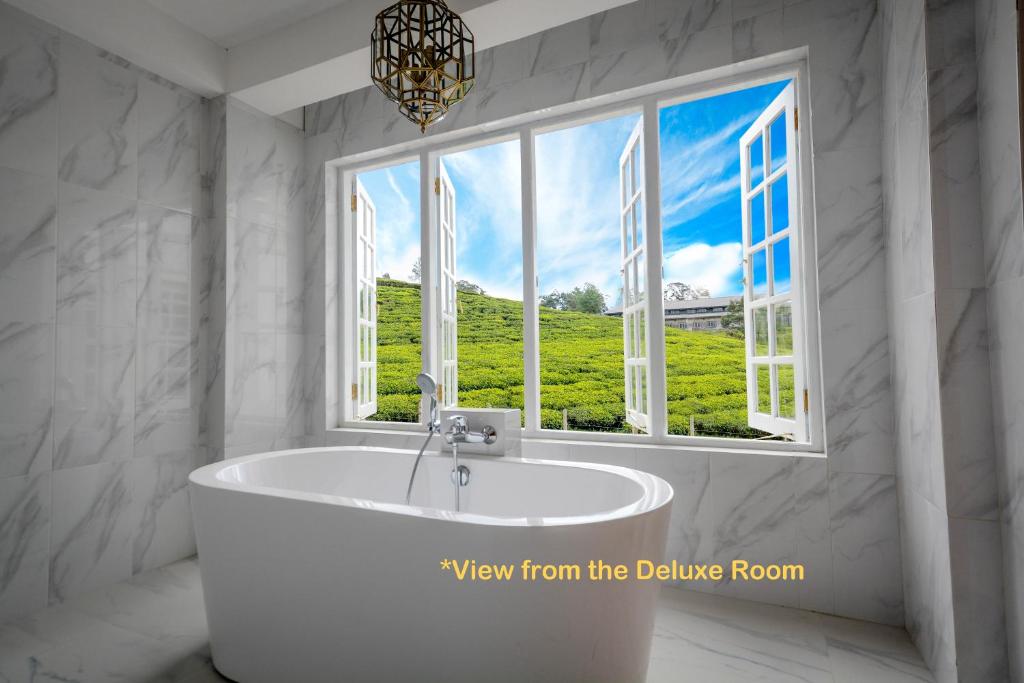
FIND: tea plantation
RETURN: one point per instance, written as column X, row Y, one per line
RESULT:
column 581, row 366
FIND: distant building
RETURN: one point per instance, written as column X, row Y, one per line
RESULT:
column 696, row 314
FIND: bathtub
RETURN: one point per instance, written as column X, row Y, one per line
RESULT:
column 314, row 569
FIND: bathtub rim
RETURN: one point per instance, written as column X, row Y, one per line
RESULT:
column 657, row 492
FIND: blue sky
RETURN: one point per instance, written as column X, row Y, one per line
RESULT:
column 577, row 202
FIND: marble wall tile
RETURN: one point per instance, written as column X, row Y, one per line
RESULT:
column 999, row 141
column 558, row 47
column 24, row 543
column 927, row 583
column 977, row 578
column 253, row 175
column 293, row 399
column 162, row 520
column 323, row 116
column 28, row 246
column 672, row 19
column 165, row 421
column 91, row 522
column 849, row 231
column 99, row 126
column 94, row 405
column 866, row 547
column 955, row 192
column 843, row 39
column 747, row 9
column 96, row 258
column 911, row 213
column 858, row 399
column 169, row 135
column 250, row 390
column 1006, row 338
column 753, row 500
column 950, row 32
column 756, row 35
column 691, row 527
column 611, row 32
column 26, row 398
column 654, row 61
column 918, row 410
column 814, row 535
column 967, row 434
column 530, row 94
column 28, row 93
column 164, row 264
column 252, row 277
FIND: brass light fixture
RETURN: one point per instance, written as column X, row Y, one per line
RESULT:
column 423, row 59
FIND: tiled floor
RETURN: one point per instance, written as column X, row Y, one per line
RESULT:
column 152, row 628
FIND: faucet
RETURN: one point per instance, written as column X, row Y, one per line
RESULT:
column 458, row 432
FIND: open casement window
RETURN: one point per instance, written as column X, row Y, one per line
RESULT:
column 449, row 390
column 634, row 273
column 776, row 401
column 364, row 389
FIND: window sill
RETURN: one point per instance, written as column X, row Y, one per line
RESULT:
column 624, row 441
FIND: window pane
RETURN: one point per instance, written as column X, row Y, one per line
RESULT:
column 784, row 329
column 581, row 275
column 758, row 229
column 395, row 192
column 759, row 270
column 702, row 237
column 781, row 267
column 764, row 389
column 756, row 162
column 777, row 134
column 787, row 397
column 761, row 331
column 780, row 204
column 489, row 271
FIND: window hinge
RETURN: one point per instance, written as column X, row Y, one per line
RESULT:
column 355, row 200
column 355, row 392
column 796, row 118
column 437, row 186
column 440, row 394
column 807, row 402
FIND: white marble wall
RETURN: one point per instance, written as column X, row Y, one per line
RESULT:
column 1002, row 232
column 940, row 339
column 256, row 360
column 99, row 379
column 839, row 515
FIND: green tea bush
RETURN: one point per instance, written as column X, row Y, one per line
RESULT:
column 581, row 366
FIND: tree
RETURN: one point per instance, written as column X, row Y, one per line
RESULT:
column 469, row 287
column 680, row 291
column 415, row 277
column 585, row 299
column 555, row 300
column 732, row 321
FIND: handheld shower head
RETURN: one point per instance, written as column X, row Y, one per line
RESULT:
column 426, row 383
column 428, row 386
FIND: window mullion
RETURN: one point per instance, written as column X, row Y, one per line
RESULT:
column 656, row 385
column 531, row 309
column 428, row 250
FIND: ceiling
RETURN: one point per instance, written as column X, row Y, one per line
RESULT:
column 231, row 22
column 275, row 55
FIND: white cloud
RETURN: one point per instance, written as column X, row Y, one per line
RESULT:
column 717, row 268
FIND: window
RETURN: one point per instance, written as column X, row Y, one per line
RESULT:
column 634, row 272
column 386, row 278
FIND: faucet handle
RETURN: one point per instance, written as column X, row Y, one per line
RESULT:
column 457, row 421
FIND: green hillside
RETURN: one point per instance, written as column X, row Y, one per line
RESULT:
column 581, row 366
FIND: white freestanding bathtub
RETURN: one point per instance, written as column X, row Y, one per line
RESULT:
column 314, row 569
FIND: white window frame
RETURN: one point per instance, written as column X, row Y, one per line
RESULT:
column 647, row 100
